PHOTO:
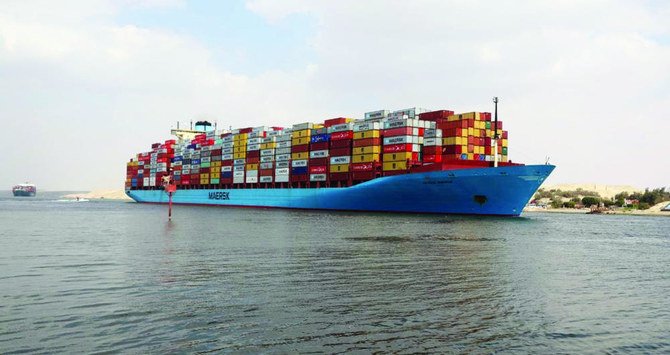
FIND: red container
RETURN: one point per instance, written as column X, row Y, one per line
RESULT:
column 363, row 175
column 432, row 158
column 319, row 161
column 195, row 177
column 401, row 131
column 432, row 150
column 366, row 142
column 299, row 178
column 453, row 149
column 253, row 160
column 363, row 167
column 334, row 121
column 227, row 163
column 216, row 152
column 204, row 170
column 471, row 148
column 226, row 180
column 322, row 169
column 435, row 115
column 318, row 146
column 394, row 148
column 340, row 152
column 254, row 154
column 266, row 172
column 339, row 176
column 343, row 143
column 342, row 135
column 300, row 148
column 487, row 150
column 246, row 130
column 504, row 134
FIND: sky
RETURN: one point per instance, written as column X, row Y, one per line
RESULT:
column 87, row 84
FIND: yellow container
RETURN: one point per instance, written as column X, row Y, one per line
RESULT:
column 394, row 165
column 471, row 156
column 239, row 149
column 268, row 145
column 401, row 156
column 300, row 140
column 372, row 149
column 240, row 155
column 504, row 142
column 471, row 131
column 215, row 175
column 204, row 181
column 303, row 133
column 367, row 134
column 300, row 155
column 339, row 168
column 365, row 158
column 453, row 118
column 240, row 137
column 453, row 141
column 252, row 166
column 216, row 164
column 204, row 176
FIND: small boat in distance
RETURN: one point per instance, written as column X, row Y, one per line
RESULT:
column 24, row 190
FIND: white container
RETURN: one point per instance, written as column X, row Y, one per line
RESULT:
column 195, row 166
column 284, row 144
column 399, row 140
column 283, row 157
column 265, row 179
column 279, row 151
column 260, row 129
column 432, row 133
column 286, row 137
column 267, row 159
column 254, row 141
column 318, row 154
column 206, row 160
column 432, row 142
column 281, row 178
column 252, row 173
column 299, row 163
column 301, row 126
column 341, row 127
column 253, row 147
column 251, row 179
column 228, row 156
column 238, row 168
column 238, row 180
column 239, row 161
column 344, row 159
column 145, row 181
column 237, row 174
column 226, row 169
column 267, row 152
column 269, row 139
column 227, row 139
column 317, row 177
column 282, row 164
column 281, row 171
column 367, row 126
column 265, row 165
column 227, row 145
column 376, row 114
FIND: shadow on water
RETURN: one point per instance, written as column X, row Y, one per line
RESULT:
column 422, row 237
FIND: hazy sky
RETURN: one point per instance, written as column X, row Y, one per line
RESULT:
column 84, row 85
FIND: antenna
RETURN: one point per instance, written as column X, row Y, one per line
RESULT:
column 495, row 133
column 191, row 125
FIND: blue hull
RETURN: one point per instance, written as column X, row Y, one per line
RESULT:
column 502, row 191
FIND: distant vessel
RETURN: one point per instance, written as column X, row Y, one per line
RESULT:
column 24, row 190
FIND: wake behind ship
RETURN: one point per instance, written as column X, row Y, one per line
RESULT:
column 410, row 160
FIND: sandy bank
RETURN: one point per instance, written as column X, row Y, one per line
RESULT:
column 101, row 194
column 653, row 211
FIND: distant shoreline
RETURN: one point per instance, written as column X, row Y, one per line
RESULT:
column 586, row 210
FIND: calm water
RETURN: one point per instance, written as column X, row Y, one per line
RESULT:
column 112, row 276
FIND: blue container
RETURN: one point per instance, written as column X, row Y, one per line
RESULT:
column 464, row 156
column 320, row 138
column 133, row 180
column 177, row 158
column 195, row 161
column 227, row 174
column 191, row 146
column 301, row 170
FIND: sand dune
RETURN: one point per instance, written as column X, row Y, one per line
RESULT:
column 101, row 194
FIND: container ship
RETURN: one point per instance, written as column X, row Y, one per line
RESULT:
column 408, row 161
column 24, row 190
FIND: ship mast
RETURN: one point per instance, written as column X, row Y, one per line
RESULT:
column 495, row 133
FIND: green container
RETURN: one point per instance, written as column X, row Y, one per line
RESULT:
column 214, row 181
column 488, row 124
column 205, row 165
column 504, row 150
